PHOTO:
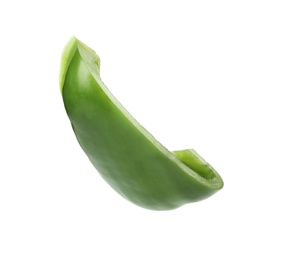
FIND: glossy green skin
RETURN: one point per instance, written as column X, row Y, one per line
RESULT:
column 124, row 153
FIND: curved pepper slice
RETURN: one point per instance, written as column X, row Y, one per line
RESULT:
column 128, row 157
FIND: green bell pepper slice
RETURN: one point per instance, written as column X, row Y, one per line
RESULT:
column 128, row 157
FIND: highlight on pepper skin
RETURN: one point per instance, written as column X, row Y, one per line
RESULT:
column 124, row 153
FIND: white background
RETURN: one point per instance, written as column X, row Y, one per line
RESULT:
column 208, row 75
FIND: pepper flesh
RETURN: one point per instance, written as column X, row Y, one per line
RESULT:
column 129, row 158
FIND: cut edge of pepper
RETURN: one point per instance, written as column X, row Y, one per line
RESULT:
column 198, row 164
column 67, row 55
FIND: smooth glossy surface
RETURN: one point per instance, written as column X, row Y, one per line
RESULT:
column 124, row 153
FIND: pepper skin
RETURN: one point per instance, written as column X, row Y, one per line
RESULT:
column 128, row 157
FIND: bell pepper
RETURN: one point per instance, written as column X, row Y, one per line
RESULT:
column 126, row 155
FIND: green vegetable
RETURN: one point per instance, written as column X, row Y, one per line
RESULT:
column 125, row 154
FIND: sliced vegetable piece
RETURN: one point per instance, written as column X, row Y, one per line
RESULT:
column 128, row 157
